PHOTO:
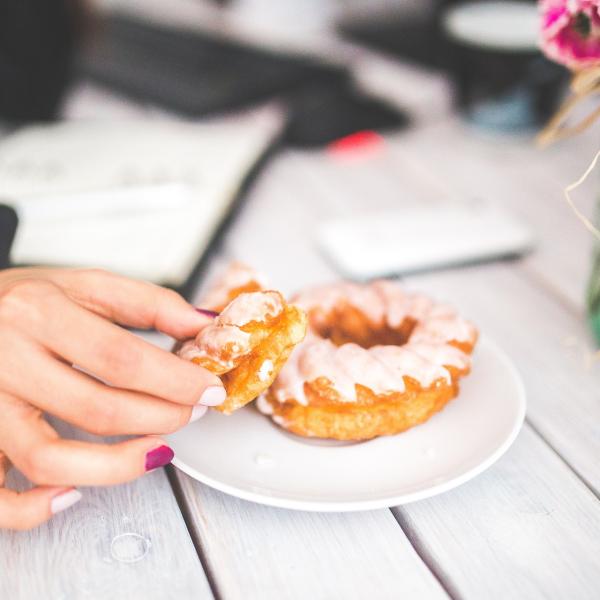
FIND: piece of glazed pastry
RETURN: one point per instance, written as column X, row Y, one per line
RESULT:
column 376, row 361
column 235, row 280
column 247, row 344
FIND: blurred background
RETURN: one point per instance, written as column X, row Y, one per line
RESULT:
column 355, row 138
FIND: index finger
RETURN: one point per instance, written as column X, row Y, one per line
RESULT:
column 131, row 302
column 120, row 357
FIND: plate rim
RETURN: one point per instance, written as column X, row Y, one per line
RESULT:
column 387, row 501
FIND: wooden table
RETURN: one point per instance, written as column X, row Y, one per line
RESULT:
column 529, row 527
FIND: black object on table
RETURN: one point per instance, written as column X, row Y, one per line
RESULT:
column 8, row 228
column 416, row 36
column 197, row 73
column 500, row 87
column 191, row 72
column 324, row 112
column 37, row 39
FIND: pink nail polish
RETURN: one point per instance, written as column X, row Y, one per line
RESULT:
column 197, row 412
column 159, row 457
column 213, row 396
column 207, row 313
column 64, row 501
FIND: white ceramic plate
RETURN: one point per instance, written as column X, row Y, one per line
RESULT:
column 248, row 456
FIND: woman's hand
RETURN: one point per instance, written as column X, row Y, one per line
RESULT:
column 52, row 319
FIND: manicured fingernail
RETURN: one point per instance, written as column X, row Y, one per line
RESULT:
column 207, row 313
column 213, row 396
column 64, row 500
column 159, row 457
column 197, row 412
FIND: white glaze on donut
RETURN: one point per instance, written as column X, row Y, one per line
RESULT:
column 386, row 300
column 407, row 363
column 189, row 350
column 265, row 371
column 224, row 336
column 216, row 341
column 289, row 382
column 443, row 329
column 382, row 369
column 442, row 354
column 325, row 298
column 236, row 276
column 319, row 360
column 263, row 405
column 248, row 307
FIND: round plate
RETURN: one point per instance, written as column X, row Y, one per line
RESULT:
column 248, row 456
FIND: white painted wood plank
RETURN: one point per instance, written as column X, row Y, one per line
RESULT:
column 275, row 232
column 303, row 189
column 550, row 346
column 258, row 552
column 528, row 528
column 276, row 229
column 253, row 551
column 534, row 327
column 458, row 161
column 127, row 541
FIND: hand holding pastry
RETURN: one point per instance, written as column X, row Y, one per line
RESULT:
column 51, row 319
column 248, row 344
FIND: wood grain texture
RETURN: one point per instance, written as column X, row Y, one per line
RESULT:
column 533, row 327
column 255, row 552
column 527, row 528
column 127, row 541
column 526, row 314
column 515, row 174
column 551, row 348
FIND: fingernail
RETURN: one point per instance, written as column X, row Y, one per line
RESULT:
column 159, row 457
column 64, row 500
column 207, row 313
column 197, row 412
column 213, row 396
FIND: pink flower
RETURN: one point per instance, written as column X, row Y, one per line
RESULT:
column 571, row 32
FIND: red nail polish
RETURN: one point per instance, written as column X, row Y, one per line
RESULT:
column 159, row 457
column 207, row 313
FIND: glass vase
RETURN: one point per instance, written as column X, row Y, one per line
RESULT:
column 593, row 295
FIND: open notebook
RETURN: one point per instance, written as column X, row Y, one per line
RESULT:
column 140, row 197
